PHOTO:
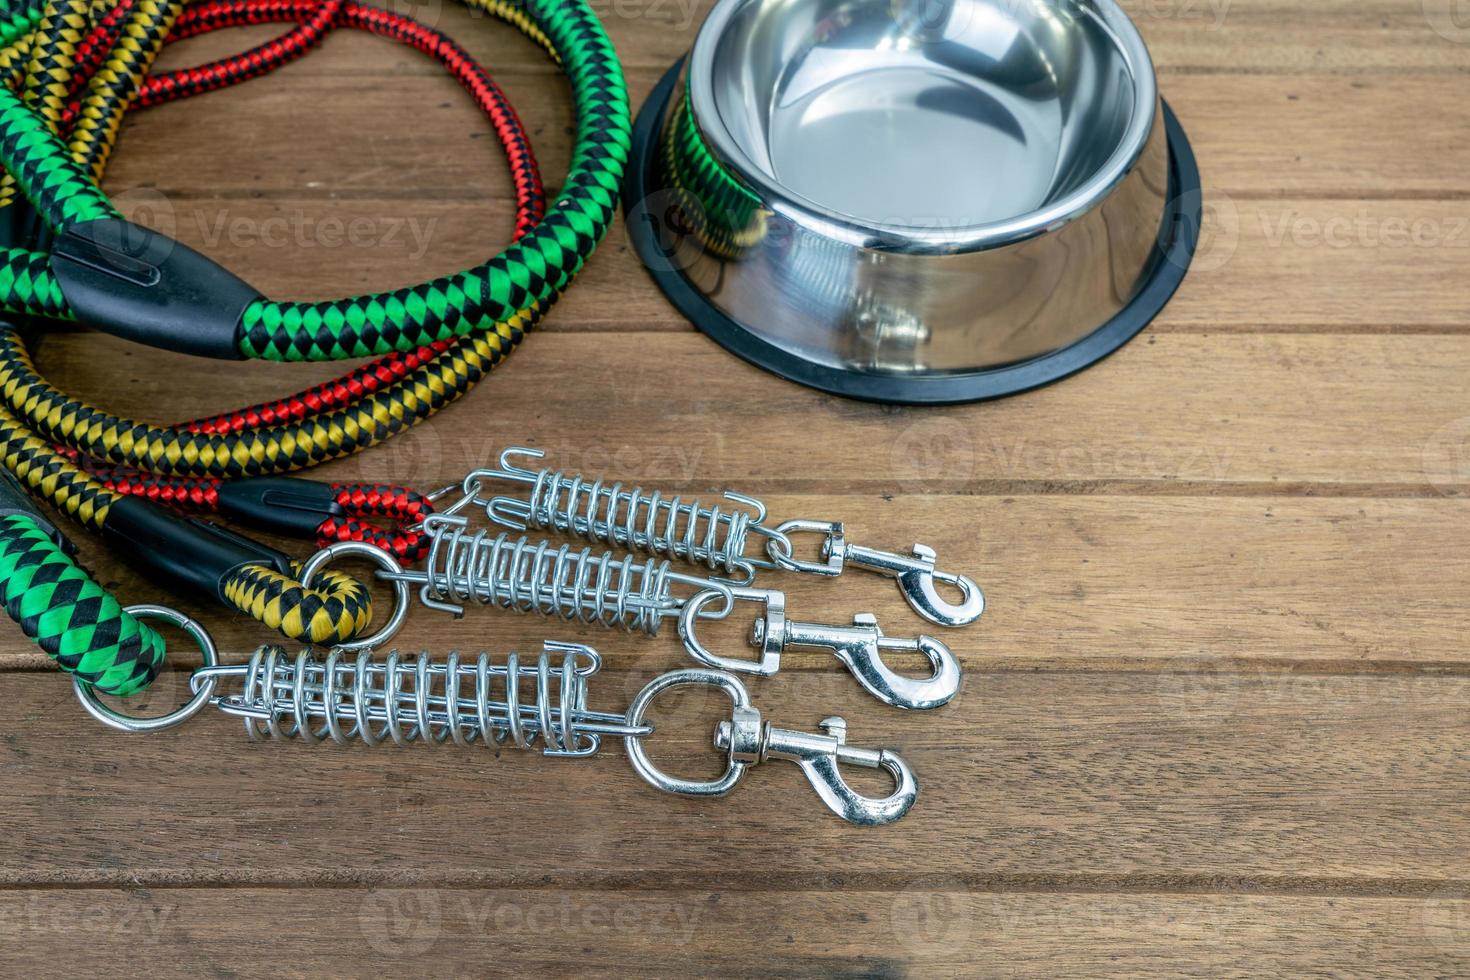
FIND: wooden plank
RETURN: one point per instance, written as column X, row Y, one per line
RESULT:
column 1346, row 36
column 1238, row 413
column 1038, row 780
column 1214, row 720
column 1265, row 266
column 417, row 139
column 1335, row 265
column 1090, row 583
column 381, row 205
column 441, row 931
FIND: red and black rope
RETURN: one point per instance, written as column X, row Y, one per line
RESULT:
column 358, row 503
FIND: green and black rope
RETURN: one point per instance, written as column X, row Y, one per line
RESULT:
column 69, row 616
column 461, row 324
column 531, row 272
column 58, row 181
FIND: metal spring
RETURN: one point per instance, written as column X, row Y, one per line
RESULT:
column 347, row 697
column 638, row 520
column 538, row 577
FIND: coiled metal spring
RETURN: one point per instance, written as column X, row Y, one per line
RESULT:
column 686, row 530
column 716, row 537
column 349, row 697
column 606, row 589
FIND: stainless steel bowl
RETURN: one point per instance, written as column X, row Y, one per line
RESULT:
column 915, row 200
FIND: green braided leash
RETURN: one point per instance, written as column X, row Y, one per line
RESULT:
column 69, row 615
column 530, row 274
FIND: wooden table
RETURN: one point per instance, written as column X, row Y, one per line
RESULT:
column 1215, row 719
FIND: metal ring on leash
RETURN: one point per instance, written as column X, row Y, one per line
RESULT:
column 360, row 549
column 633, row 744
column 113, row 718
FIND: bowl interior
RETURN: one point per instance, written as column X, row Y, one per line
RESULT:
column 923, row 114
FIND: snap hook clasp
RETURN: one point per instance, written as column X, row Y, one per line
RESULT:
column 748, row 740
column 861, row 647
column 821, row 758
column 916, row 577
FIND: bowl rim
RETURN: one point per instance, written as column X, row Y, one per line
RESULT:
column 1179, row 237
column 891, row 237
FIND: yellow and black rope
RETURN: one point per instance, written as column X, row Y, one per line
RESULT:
column 338, row 607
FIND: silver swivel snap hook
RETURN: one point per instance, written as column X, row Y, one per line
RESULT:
column 916, row 579
column 915, row 573
column 860, row 647
column 748, row 740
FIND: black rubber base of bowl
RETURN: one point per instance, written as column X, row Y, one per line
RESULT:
column 1179, row 236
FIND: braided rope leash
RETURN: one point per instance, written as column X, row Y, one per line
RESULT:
column 243, row 575
column 320, row 512
column 75, row 620
column 68, row 615
column 327, row 422
column 337, row 516
column 435, row 374
column 270, row 594
column 232, row 320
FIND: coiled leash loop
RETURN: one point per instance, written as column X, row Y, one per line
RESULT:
column 266, row 590
column 130, row 281
column 228, row 568
column 334, row 514
column 63, row 610
column 369, row 406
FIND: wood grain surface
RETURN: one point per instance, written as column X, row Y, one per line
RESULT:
column 1216, row 719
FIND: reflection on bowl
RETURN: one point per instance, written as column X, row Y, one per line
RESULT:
column 910, row 188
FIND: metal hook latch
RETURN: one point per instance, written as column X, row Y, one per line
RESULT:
column 915, row 573
column 860, row 647
column 916, row 579
column 748, row 741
